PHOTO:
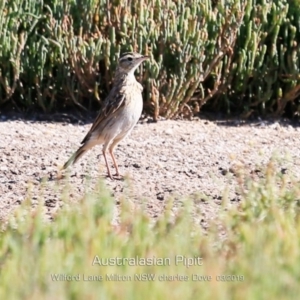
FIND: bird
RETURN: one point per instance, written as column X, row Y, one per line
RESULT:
column 120, row 112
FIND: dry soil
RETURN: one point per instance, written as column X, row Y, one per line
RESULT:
column 164, row 160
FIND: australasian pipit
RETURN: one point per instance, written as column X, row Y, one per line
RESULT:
column 119, row 114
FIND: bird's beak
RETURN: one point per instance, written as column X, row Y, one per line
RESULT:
column 143, row 58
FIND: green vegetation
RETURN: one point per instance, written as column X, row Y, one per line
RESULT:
column 256, row 242
column 233, row 56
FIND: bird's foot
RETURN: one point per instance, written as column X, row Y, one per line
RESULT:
column 110, row 176
column 119, row 176
column 116, row 176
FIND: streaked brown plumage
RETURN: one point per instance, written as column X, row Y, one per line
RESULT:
column 120, row 112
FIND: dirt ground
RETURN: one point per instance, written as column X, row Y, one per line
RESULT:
column 167, row 159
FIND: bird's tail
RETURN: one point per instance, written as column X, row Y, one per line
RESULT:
column 75, row 156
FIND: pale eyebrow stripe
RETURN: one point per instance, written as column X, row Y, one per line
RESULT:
column 125, row 57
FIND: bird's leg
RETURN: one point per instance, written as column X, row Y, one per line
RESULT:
column 111, row 151
column 107, row 166
column 114, row 161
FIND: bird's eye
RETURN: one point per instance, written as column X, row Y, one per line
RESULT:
column 129, row 58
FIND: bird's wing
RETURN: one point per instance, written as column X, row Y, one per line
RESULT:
column 110, row 106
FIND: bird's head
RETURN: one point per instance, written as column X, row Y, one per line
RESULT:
column 129, row 61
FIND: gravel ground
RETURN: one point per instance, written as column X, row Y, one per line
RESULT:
column 167, row 159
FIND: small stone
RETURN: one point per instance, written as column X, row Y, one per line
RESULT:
column 275, row 125
column 136, row 165
column 160, row 196
column 169, row 132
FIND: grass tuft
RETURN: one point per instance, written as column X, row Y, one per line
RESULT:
column 255, row 255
